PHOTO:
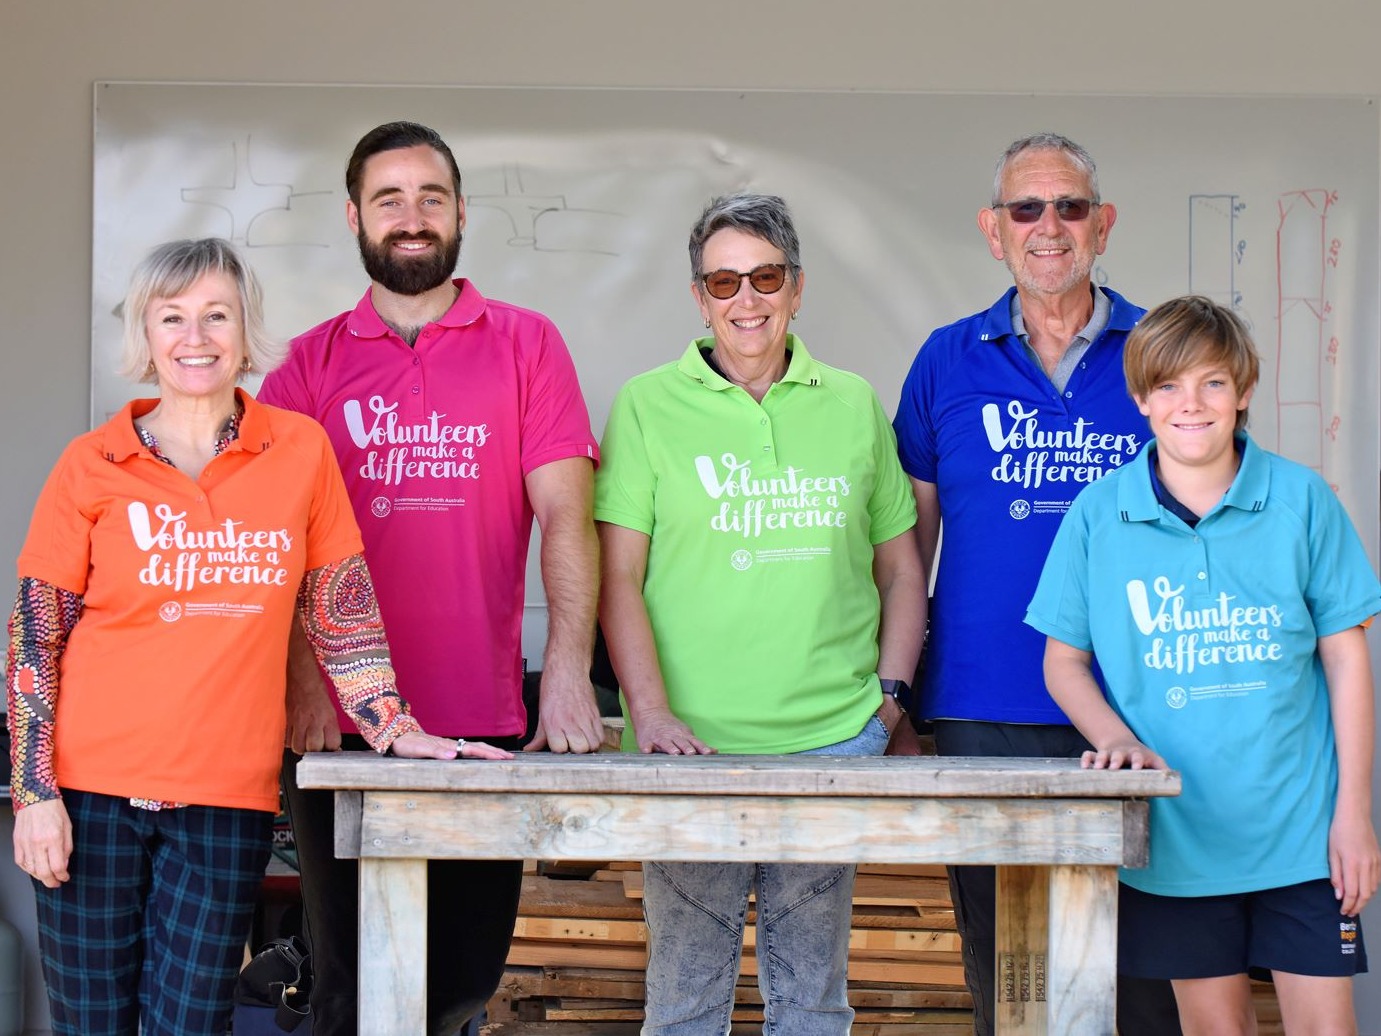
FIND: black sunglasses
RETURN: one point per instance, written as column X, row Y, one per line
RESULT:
column 766, row 279
column 1029, row 210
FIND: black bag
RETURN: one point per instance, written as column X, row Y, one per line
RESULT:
column 278, row 977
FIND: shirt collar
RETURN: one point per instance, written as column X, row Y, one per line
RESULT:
column 1136, row 494
column 801, row 368
column 1253, row 482
column 997, row 321
column 364, row 321
column 120, row 440
column 1097, row 322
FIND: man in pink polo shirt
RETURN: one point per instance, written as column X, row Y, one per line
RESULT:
column 456, row 420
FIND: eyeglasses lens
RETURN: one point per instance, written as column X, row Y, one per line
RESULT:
column 766, row 280
column 1070, row 210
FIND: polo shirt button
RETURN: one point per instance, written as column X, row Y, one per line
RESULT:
column 1203, row 575
column 1069, row 395
column 416, row 389
column 415, row 361
column 766, row 448
column 764, row 420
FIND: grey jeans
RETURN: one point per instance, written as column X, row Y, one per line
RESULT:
column 695, row 917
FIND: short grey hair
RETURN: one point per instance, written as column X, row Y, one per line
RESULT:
column 1082, row 160
column 764, row 216
column 172, row 268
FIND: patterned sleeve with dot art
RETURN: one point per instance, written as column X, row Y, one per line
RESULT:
column 43, row 618
column 340, row 616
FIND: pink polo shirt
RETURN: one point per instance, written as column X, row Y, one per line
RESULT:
column 435, row 442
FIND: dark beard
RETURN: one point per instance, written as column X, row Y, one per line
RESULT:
column 409, row 276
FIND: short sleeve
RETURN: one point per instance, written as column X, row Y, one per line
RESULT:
column 332, row 532
column 892, row 508
column 914, row 429
column 1342, row 591
column 625, row 486
column 556, row 422
column 57, row 549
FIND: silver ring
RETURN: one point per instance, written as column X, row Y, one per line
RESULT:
column 460, row 745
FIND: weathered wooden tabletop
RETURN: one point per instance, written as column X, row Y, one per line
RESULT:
column 891, row 776
column 1055, row 831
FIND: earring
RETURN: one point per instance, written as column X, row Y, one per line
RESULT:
column 246, row 366
column 149, row 369
column 795, row 315
column 707, row 324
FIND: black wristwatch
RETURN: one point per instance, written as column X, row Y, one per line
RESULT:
column 898, row 690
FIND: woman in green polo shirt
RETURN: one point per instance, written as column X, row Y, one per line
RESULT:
column 761, row 591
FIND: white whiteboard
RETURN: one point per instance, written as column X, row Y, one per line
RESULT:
column 579, row 204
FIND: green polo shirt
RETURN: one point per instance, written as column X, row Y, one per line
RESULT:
column 762, row 519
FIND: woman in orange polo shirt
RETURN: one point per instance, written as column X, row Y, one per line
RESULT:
column 167, row 554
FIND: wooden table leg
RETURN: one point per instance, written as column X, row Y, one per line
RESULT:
column 1083, row 950
column 393, row 947
column 1022, row 917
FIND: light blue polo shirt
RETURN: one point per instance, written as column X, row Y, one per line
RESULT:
column 1208, row 642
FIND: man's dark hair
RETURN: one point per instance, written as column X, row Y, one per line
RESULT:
column 394, row 136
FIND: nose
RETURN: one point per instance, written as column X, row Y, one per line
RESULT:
column 420, row 215
column 1050, row 222
column 412, row 217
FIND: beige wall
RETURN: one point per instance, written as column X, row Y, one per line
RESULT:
column 51, row 52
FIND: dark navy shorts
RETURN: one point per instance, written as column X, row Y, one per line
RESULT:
column 1295, row 929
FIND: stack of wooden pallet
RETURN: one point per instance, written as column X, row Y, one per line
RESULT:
column 579, row 953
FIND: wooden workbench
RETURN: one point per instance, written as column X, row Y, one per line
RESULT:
column 1056, row 833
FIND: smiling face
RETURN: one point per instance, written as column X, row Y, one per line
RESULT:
column 1048, row 257
column 197, row 341
column 748, row 327
column 1193, row 415
column 408, row 221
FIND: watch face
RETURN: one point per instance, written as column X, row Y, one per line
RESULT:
column 894, row 688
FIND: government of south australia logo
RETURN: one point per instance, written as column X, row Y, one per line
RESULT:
column 380, row 506
column 741, row 559
column 1019, row 509
column 170, row 612
column 1177, row 697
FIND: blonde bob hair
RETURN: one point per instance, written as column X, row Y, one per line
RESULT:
column 168, row 271
column 1187, row 332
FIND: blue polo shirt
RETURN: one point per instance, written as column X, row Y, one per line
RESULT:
column 1008, row 452
column 1208, row 641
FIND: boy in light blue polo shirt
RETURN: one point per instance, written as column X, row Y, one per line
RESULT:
column 1224, row 594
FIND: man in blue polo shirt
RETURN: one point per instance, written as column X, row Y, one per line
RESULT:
column 1004, row 417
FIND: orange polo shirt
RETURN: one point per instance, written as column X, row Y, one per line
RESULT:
column 172, row 683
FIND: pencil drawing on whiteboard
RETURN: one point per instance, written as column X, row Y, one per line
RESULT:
column 545, row 222
column 247, row 201
column 1215, row 249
